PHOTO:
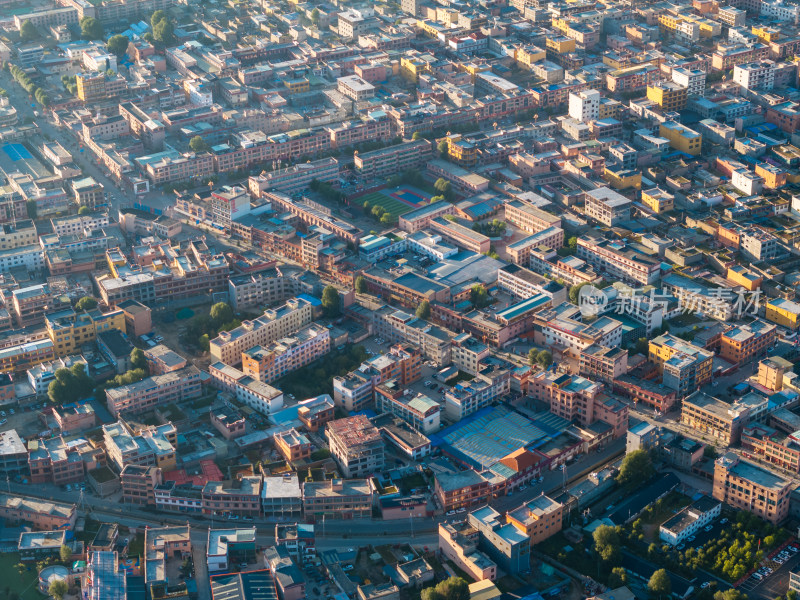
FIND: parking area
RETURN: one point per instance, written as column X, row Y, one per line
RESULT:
column 772, row 578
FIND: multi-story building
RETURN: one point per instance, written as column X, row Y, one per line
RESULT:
column 18, row 234
column 293, row 445
column 393, row 160
column 601, row 363
column 136, row 398
column 356, row 445
column 458, row 541
column 681, row 138
column 467, row 397
column 21, row 357
column 149, row 446
column 690, row 521
column 783, row 312
column 256, row 394
column 238, row 497
column 276, row 359
column 756, row 75
column 43, row 515
column 274, row 324
column 617, row 260
column 420, row 412
column 607, row 206
column 538, row 519
column 13, row 452
column 69, row 330
column 684, row 367
column 502, row 540
column 669, row 95
column 710, row 416
column 530, row 218
column 694, row 80
column 60, row 462
column 281, row 496
column 315, row 412
column 338, row 499
column 772, row 446
column 461, row 490
column 139, row 482
column 743, row 342
column 584, row 106
column 744, row 485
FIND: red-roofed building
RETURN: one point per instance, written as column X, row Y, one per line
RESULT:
column 209, row 471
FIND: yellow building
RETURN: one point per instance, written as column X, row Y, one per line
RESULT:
column 658, row 200
column 765, row 33
column 529, row 55
column 69, row 330
column 622, row 179
column 669, row 22
column 461, row 152
column 668, row 95
column 473, row 69
column 446, row 16
column 783, row 312
column 774, row 177
column 561, row 44
column 741, row 275
column 681, row 138
column 683, row 366
column 411, row 67
column 297, row 86
column 609, row 108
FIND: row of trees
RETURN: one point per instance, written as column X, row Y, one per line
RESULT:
column 22, row 78
column 327, row 191
column 204, row 328
column 493, row 228
column 542, row 358
column 380, row 213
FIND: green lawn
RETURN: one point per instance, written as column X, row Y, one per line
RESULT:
column 25, row 584
column 393, row 206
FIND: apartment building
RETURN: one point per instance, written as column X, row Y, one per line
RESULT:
column 559, row 328
column 684, row 367
column 601, row 363
column 746, row 486
column 694, row 80
column 530, row 218
column 69, row 330
column 681, row 138
column 538, row 519
column 276, row 359
column 655, row 395
column 464, row 182
column 258, row 395
column 13, row 452
column 468, row 353
column 43, row 515
column 783, row 312
column 28, row 305
column 461, row 490
column 696, row 296
column 140, row 397
column 584, row 106
column 18, row 234
column 147, row 446
column 393, row 160
column 293, row 445
column 420, row 412
column 458, row 541
column 689, row 521
column 316, row 412
column 773, row 446
column 421, row 218
column 756, row 75
column 274, row 324
column 461, row 236
column 338, row 499
column 614, row 258
column 607, row 206
column 262, row 288
column 743, row 342
column 281, row 496
column 710, row 416
column 60, row 462
column 503, row 541
column 356, row 445
column 669, row 95
column 468, row 397
column 240, row 497
column 138, row 483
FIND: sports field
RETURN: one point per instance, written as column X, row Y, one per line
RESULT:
column 397, row 201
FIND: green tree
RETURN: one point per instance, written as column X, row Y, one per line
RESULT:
column 572, row 243
column 533, row 356
column 157, row 17
column 416, row 136
column 545, row 359
column 387, row 219
column 91, row 28
column 81, row 382
column 637, row 467
column 65, row 553
column 424, row 310
column 367, row 207
column 361, row 285
column 198, row 145
column 138, row 360
column 659, row 584
column 33, row 211
column 330, row 301
column 221, row 313
column 84, row 210
column 791, row 595
column 118, row 45
column 454, row 588
column 574, row 292
column 86, row 303
column 58, row 588
column 315, row 16
column 607, row 543
column 435, row 199
column 479, row 296
column 28, row 31
column 164, row 32
column 642, row 346
column 617, row 578
column 442, row 148
column 443, row 186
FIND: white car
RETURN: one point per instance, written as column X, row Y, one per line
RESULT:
column 450, row 513
column 427, row 384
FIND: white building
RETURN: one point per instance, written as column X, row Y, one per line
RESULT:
column 257, row 395
column 585, row 106
column 422, row 413
column 779, row 9
column 199, row 92
column 690, row 520
column 756, row 75
column 747, row 182
column 355, row 88
column 222, row 542
column 694, row 80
